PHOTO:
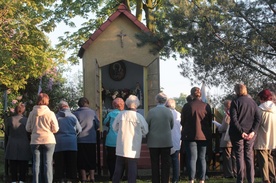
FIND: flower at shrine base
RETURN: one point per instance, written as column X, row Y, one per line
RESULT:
column 115, row 95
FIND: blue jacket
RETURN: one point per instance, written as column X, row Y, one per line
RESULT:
column 89, row 123
column 66, row 137
column 111, row 135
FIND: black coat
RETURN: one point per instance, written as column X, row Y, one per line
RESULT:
column 18, row 146
column 245, row 116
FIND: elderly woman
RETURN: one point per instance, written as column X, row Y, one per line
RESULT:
column 42, row 123
column 228, row 156
column 65, row 155
column 18, row 150
column 176, row 136
column 245, row 119
column 159, row 139
column 111, row 138
column 266, row 135
column 87, row 139
column 131, row 127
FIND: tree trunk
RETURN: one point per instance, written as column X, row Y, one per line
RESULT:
column 139, row 10
column 149, row 17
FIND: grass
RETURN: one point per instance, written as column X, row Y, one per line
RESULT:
column 104, row 179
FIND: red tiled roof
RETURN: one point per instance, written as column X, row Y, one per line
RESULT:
column 122, row 9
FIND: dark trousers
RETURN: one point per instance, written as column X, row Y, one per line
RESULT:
column 155, row 155
column 111, row 159
column 244, row 153
column 266, row 165
column 65, row 165
column 120, row 167
column 18, row 167
column 229, row 162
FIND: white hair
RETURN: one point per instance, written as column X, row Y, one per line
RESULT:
column 132, row 102
column 170, row 103
column 63, row 104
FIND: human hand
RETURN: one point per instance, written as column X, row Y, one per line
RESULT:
column 250, row 136
column 244, row 135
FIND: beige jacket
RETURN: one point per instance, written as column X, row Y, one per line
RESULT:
column 42, row 123
column 266, row 133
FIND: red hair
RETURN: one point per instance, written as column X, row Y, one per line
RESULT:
column 265, row 95
column 118, row 103
column 42, row 99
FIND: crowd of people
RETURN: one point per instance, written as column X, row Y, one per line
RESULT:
column 68, row 139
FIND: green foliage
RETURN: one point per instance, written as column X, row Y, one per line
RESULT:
column 93, row 14
column 221, row 42
column 180, row 101
column 24, row 49
column 52, row 83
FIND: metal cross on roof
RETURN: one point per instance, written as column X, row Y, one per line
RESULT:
column 122, row 35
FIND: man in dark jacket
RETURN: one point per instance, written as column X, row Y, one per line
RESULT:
column 245, row 119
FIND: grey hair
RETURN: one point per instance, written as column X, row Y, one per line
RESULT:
column 62, row 104
column 170, row 103
column 161, row 98
column 132, row 102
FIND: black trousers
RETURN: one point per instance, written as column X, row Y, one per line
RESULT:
column 163, row 154
column 18, row 167
column 65, row 165
column 111, row 159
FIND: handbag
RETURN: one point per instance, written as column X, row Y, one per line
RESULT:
column 226, row 136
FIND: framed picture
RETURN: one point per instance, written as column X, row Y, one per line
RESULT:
column 117, row 71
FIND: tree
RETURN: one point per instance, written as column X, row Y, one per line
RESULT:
column 25, row 50
column 51, row 83
column 221, row 42
column 93, row 13
column 28, row 57
column 180, row 101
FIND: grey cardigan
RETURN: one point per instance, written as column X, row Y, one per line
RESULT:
column 160, row 122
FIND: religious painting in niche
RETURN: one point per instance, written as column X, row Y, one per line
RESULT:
column 117, row 70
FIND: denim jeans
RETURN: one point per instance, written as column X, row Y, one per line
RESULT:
column 43, row 162
column 196, row 153
column 175, row 166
